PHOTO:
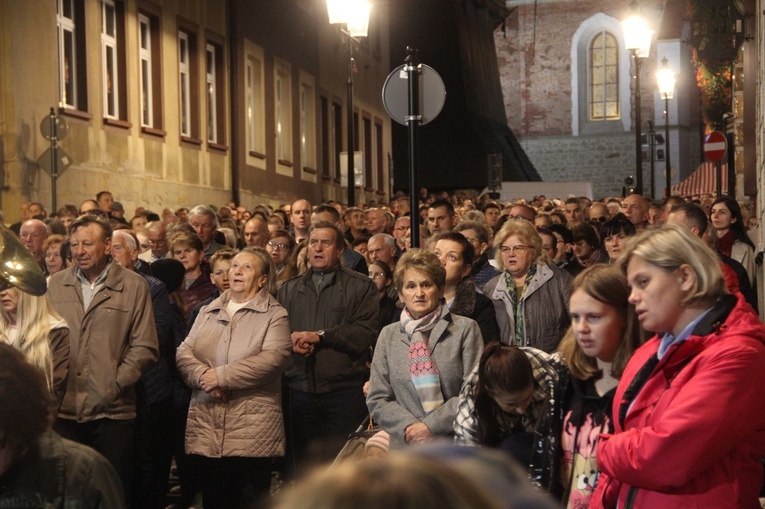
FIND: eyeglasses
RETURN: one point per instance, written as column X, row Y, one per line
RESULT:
column 277, row 245
column 376, row 275
column 520, row 248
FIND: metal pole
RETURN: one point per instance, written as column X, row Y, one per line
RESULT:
column 719, row 178
column 652, row 146
column 53, row 158
column 667, row 155
column 638, row 122
column 351, row 129
column 413, row 122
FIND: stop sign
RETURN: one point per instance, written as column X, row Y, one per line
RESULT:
column 715, row 146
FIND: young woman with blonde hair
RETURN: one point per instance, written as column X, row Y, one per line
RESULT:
column 32, row 326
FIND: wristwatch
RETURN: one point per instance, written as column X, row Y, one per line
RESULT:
column 321, row 333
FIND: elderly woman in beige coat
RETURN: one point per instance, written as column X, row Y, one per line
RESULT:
column 233, row 359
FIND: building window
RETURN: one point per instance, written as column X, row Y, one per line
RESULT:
column 326, row 145
column 147, row 55
column 113, row 65
column 604, row 77
column 337, row 137
column 307, row 123
column 110, row 68
column 249, row 80
column 70, row 17
column 282, row 112
column 380, row 184
column 187, row 84
column 255, row 104
column 212, row 96
column 600, row 77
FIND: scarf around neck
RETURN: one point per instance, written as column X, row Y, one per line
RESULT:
column 518, row 303
column 725, row 243
column 423, row 370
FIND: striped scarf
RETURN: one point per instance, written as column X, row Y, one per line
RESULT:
column 422, row 368
column 520, row 339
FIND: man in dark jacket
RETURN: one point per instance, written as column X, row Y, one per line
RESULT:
column 334, row 317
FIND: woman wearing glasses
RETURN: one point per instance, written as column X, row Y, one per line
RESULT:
column 530, row 295
column 280, row 245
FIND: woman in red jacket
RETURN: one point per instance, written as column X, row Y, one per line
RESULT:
column 688, row 411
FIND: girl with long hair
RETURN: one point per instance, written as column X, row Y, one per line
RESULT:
column 33, row 327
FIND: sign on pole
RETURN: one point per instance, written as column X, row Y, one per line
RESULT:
column 715, row 146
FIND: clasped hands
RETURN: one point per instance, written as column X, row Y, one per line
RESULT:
column 209, row 383
column 304, row 342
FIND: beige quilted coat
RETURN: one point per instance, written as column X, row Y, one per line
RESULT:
column 249, row 355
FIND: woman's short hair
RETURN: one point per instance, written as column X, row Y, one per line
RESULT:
column 282, row 233
column 480, row 229
column 524, row 230
column 670, row 246
column 616, row 226
column 266, row 266
column 182, row 238
column 585, row 232
column 384, row 268
column 605, row 284
column 468, row 252
column 421, row 261
column 52, row 240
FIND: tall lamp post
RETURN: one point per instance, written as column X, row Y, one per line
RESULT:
column 666, row 79
column 637, row 39
column 354, row 14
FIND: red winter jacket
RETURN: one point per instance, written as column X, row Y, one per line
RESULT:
column 695, row 432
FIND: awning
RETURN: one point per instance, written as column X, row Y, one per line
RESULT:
column 702, row 181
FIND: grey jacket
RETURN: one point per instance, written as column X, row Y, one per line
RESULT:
column 545, row 311
column 456, row 346
column 348, row 311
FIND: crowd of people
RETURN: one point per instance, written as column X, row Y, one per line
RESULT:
column 611, row 348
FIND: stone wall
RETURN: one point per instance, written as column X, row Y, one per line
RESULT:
column 604, row 160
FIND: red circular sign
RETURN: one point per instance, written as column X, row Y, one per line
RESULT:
column 715, row 146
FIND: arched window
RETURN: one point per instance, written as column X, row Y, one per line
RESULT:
column 600, row 78
column 603, row 77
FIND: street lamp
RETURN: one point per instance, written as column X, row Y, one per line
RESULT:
column 637, row 39
column 666, row 79
column 355, row 15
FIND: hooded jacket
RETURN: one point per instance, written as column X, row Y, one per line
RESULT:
column 690, row 428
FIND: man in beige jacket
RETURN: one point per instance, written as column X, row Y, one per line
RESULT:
column 112, row 341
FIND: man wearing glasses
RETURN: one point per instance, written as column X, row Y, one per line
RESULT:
column 157, row 235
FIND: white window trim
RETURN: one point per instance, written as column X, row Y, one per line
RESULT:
column 67, row 25
column 184, row 83
column 109, row 42
column 145, row 61
column 581, row 39
column 212, row 94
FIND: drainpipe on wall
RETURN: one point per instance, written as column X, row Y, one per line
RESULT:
column 233, row 40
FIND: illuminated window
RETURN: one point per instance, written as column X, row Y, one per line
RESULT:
column 604, row 77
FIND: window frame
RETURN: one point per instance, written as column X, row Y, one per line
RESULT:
column 76, row 70
column 604, row 100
